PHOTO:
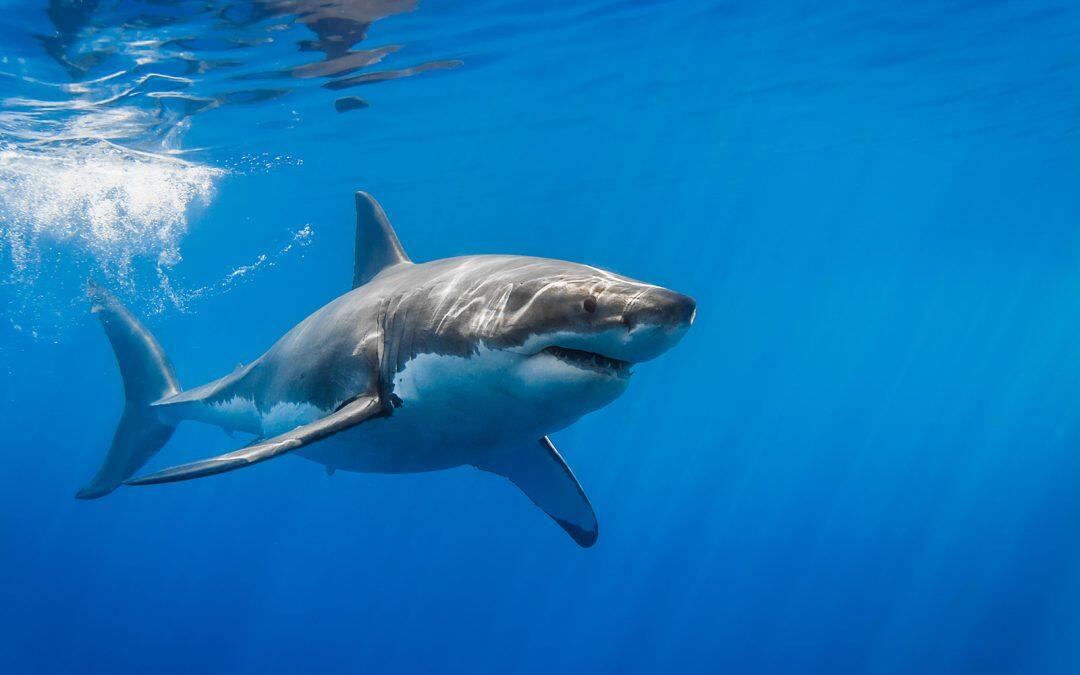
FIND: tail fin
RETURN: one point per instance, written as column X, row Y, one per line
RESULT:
column 148, row 376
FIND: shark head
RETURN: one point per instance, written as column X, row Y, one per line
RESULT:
column 571, row 334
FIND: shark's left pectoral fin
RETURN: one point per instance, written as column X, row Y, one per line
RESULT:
column 356, row 411
column 542, row 474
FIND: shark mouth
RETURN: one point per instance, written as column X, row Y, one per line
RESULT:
column 598, row 363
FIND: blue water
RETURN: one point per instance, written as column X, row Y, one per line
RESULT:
column 863, row 458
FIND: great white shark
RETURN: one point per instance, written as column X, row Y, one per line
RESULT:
column 473, row 360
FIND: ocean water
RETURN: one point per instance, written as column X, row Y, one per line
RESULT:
column 863, row 458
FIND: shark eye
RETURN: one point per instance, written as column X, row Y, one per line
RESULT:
column 589, row 304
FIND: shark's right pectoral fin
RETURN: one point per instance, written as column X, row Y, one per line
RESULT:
column 542, row 474
column 355, row 412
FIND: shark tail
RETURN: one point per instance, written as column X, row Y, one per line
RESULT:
column 148, row 376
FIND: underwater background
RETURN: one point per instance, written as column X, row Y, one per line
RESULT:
column 863, row 458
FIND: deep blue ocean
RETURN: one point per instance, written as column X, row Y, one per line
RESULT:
column 863, row 458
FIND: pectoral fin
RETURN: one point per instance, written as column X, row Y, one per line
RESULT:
column 356, row 411
column 540, row 472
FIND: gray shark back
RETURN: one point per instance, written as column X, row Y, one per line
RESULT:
column 361, row 340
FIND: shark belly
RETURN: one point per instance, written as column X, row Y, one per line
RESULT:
column 452, row 413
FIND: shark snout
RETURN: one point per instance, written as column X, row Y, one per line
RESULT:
column 661, row 308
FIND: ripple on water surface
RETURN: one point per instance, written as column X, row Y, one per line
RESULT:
column 94, row 173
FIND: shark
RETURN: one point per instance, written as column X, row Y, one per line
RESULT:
column 421, row 366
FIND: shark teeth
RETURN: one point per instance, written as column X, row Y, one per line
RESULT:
column 590, row 361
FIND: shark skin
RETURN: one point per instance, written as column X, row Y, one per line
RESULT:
column 420, row 367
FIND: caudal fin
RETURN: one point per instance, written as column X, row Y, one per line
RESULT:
column 148, row 376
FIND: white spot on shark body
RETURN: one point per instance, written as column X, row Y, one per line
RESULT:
column 241, row 413
column 288, row 415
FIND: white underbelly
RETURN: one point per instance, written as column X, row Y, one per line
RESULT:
column 453, row 412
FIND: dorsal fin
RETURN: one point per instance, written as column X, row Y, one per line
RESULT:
column 377, row 246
